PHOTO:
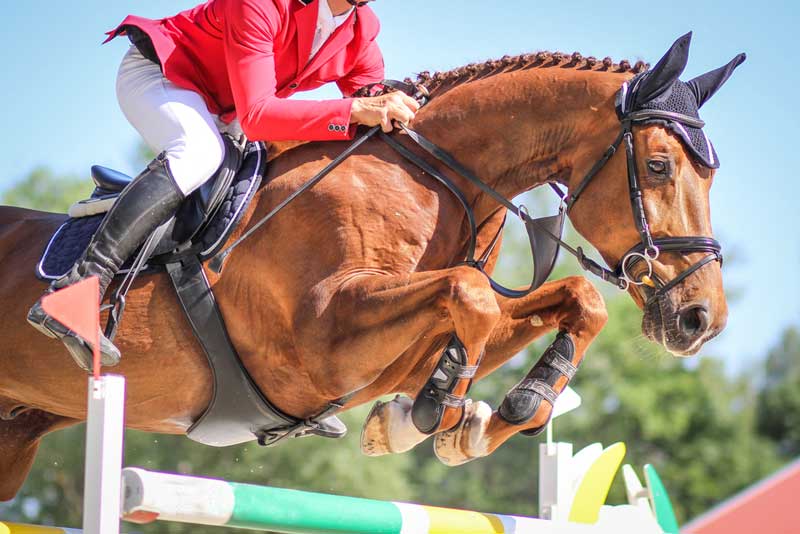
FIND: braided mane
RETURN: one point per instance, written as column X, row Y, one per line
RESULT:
column 442, row 81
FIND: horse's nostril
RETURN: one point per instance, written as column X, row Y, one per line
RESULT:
column 693, row 320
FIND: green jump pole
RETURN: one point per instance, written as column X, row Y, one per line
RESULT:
column 150, row 496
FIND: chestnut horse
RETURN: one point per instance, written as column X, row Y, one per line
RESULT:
column 358, row 284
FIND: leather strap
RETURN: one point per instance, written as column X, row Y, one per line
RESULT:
column 654, row 114
column 534, row 227
column 217, row 261
column 456, row 192
column 238, row 411
column 599, row 164
column 537, row 386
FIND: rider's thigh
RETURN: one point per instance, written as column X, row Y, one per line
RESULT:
column 170, row 119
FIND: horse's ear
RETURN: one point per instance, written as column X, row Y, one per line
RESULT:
column 704, row 86
column 667, row 70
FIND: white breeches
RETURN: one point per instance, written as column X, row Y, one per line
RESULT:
column 171, row 120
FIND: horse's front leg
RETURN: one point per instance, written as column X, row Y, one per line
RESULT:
column 573, row 307
column 369, row 322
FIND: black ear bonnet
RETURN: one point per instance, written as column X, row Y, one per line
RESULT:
column 660, row 89
column 678, row 98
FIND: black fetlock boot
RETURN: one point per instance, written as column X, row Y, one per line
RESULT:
column 150, row 200
column 522, row 402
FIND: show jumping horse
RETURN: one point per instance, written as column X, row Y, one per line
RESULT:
column 357, row 286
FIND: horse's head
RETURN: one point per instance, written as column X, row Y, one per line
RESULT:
column 662, row 244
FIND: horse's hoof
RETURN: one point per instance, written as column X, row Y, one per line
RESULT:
column 389, row 429
column 468, row 440
column 374, row 439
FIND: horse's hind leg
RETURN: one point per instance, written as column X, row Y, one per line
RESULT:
column 574, row 307
column 19, row 441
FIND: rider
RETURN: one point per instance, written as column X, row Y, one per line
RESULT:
column 226, row 66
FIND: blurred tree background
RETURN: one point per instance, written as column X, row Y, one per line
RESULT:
column 708, row 433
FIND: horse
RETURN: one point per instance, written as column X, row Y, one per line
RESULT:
column 358, row 285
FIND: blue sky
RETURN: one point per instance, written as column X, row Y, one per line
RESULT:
column 60, row 107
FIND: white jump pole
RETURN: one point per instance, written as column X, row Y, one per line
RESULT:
column 104, row 444
column 554, row 464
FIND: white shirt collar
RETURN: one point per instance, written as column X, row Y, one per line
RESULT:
column 326, row 24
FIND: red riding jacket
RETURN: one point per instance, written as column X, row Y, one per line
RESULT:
column 245, row 57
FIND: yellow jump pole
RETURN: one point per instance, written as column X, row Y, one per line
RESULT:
column 17, row 528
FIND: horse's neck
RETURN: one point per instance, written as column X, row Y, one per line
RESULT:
column 522, row 129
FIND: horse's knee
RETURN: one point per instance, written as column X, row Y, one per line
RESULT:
column 469, row 294
column 585, row 306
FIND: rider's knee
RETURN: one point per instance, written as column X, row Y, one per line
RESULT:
column 196, row 160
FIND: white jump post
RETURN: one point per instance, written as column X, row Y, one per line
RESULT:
column 555, row 464
column 104, row 446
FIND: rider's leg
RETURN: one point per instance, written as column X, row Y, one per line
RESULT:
column 174, row 122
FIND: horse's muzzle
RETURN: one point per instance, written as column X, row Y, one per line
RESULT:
column 681, row 329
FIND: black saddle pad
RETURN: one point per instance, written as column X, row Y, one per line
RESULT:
column 73, row 236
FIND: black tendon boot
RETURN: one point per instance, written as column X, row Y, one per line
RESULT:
column 150, row 200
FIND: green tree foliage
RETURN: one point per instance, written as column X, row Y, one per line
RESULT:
column 43, row 190
column 779, row 401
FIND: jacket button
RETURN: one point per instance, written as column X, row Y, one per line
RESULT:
column 331, row 127
column 293, row 86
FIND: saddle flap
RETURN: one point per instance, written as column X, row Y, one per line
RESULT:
column 191, row 230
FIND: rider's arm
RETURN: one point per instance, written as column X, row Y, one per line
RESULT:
column 249, row 29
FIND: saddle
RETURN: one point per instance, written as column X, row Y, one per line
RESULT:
column 202, row 225
column 239, row 411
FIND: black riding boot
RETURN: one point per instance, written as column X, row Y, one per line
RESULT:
column 150, row 200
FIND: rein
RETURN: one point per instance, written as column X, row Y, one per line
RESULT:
column 544, row 233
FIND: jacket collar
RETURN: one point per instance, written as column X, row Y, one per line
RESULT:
column 305, row 19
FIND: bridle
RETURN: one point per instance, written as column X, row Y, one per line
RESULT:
column 646, row 251
column 650, row 248
column 544, row 233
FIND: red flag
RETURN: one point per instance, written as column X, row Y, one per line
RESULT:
column 77, row 307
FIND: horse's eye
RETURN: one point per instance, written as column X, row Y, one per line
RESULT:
column 657, row 166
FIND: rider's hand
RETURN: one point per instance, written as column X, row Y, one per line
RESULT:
column 372, row 111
